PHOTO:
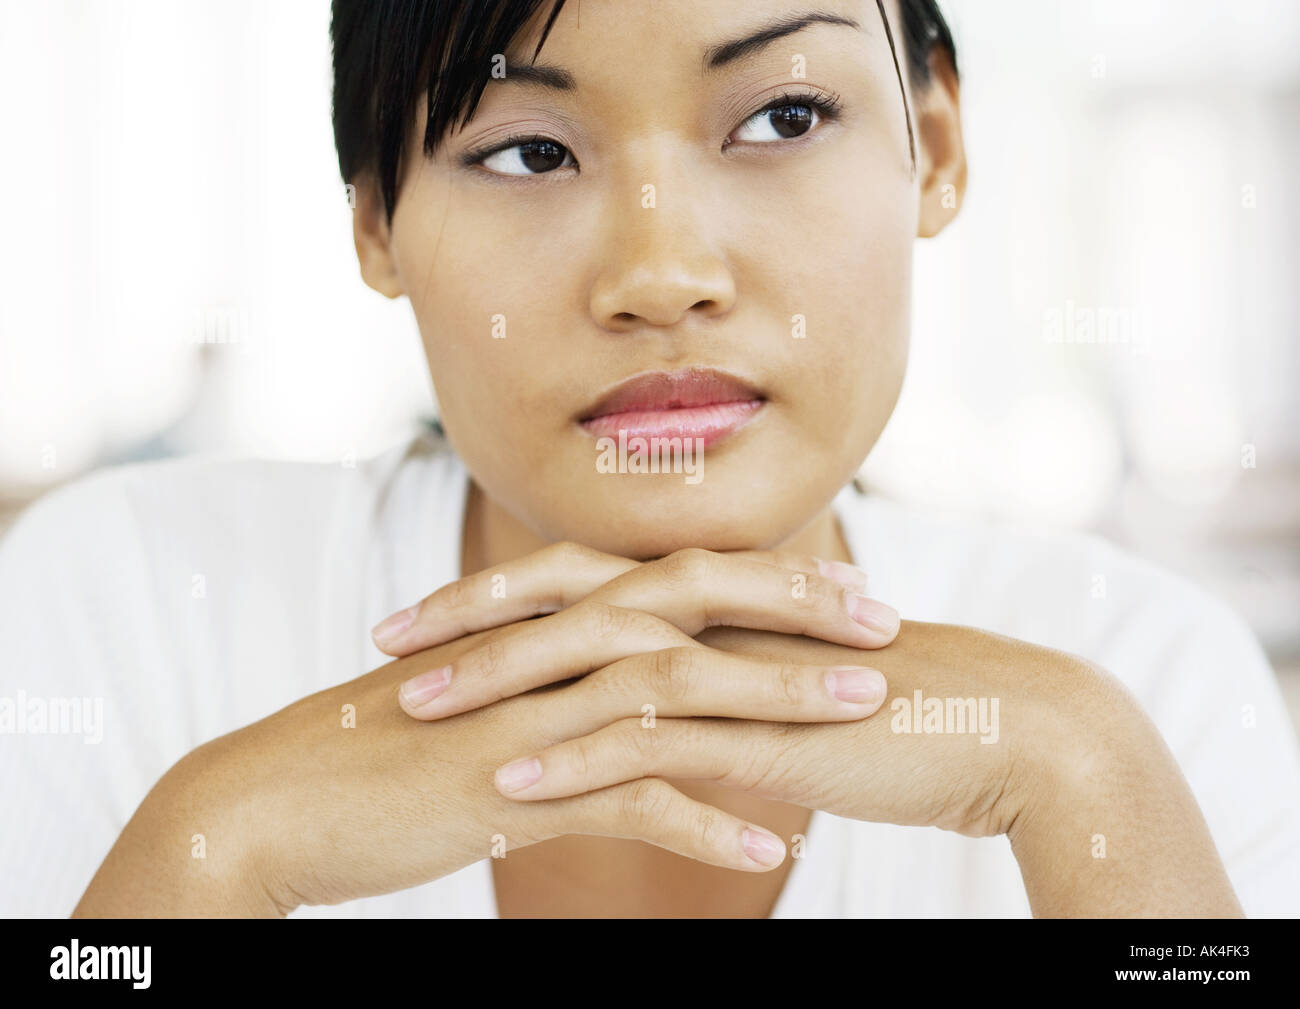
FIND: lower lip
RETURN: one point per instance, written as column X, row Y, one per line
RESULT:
column 709, row 423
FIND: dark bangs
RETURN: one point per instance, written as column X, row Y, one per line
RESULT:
column 389, row 53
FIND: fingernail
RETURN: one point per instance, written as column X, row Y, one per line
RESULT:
column 519, row 774
column 762, row 847
column 855, row 683
column 870, row 613
column 390, row 627
column 420, row 690
column 846, row 574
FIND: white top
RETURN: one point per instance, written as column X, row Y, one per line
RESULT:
column 194, row 596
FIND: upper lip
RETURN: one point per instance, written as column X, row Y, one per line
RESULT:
column 672, row 390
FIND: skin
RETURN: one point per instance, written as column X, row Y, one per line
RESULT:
column 627, row 590
column 688, row 282
column 595, row 288
column 297, row 810
column 1077, row 756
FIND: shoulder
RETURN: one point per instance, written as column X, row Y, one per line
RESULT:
column 219, row 501
column 149, row 564
column 1188, row 656
column 1072, row 590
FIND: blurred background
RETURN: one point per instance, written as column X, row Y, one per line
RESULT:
column 1106, row 339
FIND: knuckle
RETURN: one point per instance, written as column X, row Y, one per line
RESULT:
column 777, row 763
column 707, row 825
column 824, row 592
column 608, row 684
column 530, row 822
column 674, row 672
column 792, row 561
column 821, row 597
column 640, row 744
column 645, row 803
column 605, row 622
column 654, row 629
column 491, row 658
column 686, row 566
column 579, row 757
column 456, row 595
column 800, row 562
column 568, row 552
column 791, row 684
column 759, row 763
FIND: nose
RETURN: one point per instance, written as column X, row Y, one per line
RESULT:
column 658, row 265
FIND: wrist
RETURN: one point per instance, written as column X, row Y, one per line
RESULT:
column 1111, row 827
column 188, row 851
column 212, row 801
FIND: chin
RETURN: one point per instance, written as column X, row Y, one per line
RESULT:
column 654, row 524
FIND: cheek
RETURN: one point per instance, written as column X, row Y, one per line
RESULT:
column 844, row 264
column 490, row 326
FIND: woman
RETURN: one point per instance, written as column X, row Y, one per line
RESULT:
column 659, row 255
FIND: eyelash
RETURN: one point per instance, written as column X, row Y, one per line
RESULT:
column 828, row 107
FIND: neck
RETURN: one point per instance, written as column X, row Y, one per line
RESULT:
column 493, row 536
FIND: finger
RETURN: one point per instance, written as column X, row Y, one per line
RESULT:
column 516, row 659
column 848, row 575
column 654, row 811
column 639, row 660
column 543, row 582
column 694, row 681
column 695, row 589
column 658, row 604
column 714, row 749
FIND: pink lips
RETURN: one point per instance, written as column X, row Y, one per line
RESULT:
column 694, row 403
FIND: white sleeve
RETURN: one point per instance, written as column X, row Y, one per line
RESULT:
column 1213, row 695
column 75, row 599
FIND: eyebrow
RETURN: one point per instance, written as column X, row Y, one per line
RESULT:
column 558, row 79
column 540, row 75
column 720, row 55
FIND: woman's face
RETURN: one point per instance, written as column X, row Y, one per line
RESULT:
column 674, row 226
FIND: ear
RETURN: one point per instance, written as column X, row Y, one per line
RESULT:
column 942, row 154
column 373, row 239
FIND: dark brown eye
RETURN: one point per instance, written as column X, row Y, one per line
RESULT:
column 791, row 120
column 530, row 157
column 541, row 156
column 787, row 118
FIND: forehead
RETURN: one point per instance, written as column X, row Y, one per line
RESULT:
column 619, row 43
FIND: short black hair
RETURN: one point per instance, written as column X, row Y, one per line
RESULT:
column 387, row 53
